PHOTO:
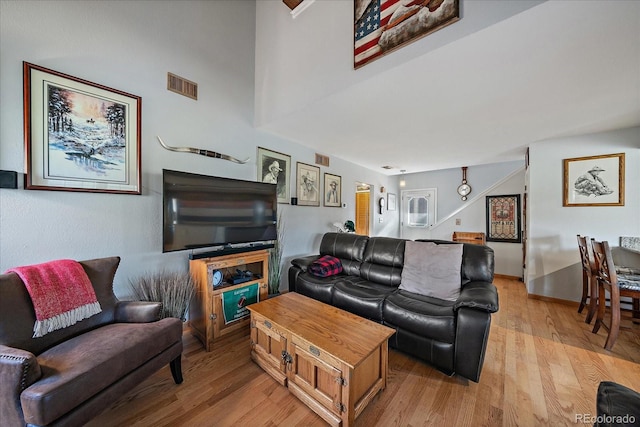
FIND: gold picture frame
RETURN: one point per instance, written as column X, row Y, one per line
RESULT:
column 594, row 181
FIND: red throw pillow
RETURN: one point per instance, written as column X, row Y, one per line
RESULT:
column 325, row 266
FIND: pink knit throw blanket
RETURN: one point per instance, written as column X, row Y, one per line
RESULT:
column 61, row 293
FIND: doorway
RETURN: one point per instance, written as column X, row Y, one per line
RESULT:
column 418, row 212
column 363, row 208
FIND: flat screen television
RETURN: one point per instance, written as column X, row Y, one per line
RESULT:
column 201, row 211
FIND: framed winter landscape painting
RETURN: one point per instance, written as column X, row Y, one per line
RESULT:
column 594, row 181
column 80, row 136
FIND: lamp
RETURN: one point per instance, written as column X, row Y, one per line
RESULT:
column 402, row 182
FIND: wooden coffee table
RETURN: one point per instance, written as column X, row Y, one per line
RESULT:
column 333, row 361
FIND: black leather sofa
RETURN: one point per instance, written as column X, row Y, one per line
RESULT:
column 450, row 335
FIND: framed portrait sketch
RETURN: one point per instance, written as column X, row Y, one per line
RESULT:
column 79, row 135
column 382, row 26
column 332, row 190
column 307, row 180
column 391, row 201
column 275, row 168
column 503, row 218
column 594, row 181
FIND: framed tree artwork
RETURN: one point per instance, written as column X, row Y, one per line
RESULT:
column 275, row 168
column 307, row 181
column 79, row 135
column 503, row 218
column 594, row 181
column 332, row 190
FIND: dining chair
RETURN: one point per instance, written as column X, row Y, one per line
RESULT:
column 589, row 283
column 618, row 286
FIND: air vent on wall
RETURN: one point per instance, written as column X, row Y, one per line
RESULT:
column 322, row 160
column 182, row 86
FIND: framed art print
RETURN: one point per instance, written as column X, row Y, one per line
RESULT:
column 503, row 218
column 332, row 190
column 594, row 181
column 79, row 135
column 382, row 26
column 391, row 201
column 307, row 179
column 275, row 168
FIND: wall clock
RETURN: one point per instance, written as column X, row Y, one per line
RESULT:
column 216, row 278
column 464, row 189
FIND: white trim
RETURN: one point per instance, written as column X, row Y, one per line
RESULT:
column 304, row 4
column 476, row 198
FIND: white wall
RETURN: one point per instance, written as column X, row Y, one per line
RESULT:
column 493, row 179
column 131, row 46
column 305, row 59
column 553, row 260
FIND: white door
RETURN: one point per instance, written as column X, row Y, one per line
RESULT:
column 417, row 213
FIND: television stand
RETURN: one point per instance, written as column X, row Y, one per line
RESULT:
column 221, row 310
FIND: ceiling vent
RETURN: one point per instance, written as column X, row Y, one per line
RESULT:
column 322, row 160
column 182, row 86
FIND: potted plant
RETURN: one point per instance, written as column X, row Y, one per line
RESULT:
column 173, row 289
column 275, row 260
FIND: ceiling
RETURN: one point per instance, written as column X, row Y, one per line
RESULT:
column 560, row 68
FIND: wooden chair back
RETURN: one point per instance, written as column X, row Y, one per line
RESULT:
column 586, row 257
column 605, row 269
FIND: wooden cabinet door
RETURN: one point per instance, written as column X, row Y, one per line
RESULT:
column 316, row 378
column 268, row 348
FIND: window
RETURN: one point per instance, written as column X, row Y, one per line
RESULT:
column 418, row 211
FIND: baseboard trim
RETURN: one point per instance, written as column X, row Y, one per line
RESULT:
column 556, row 300
column 506, row 276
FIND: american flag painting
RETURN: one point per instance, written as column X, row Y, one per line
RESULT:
column 381, row 26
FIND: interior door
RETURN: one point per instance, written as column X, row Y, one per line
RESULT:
column 363, row 209
column 418, row 213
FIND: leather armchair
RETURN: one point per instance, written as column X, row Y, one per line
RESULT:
column 68, row 376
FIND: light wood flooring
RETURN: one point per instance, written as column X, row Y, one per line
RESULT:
column 542, row 367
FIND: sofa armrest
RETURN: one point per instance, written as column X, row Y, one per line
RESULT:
column 18, row 370
column 137, row 311
column 478, row 295
column 304, row 262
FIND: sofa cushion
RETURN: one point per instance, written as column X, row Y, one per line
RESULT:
column 361, row 297
column 477, row 261
column 383, row 259
column 432, row 270
column 320, row 288
column 425, row 316
column 79, row 368
column 348, row 247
